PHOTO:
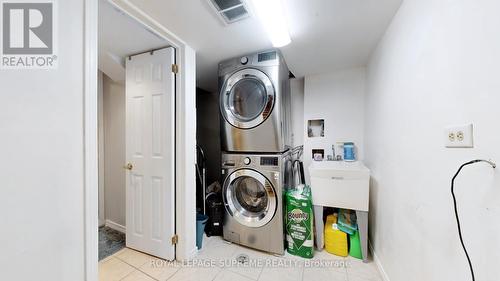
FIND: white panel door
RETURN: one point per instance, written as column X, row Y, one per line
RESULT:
column 150, row 145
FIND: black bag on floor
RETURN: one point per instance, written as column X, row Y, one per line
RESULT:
column 215, row 213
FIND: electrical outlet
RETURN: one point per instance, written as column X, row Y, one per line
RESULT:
column 459, row 136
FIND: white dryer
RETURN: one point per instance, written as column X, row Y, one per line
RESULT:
column 255, row 103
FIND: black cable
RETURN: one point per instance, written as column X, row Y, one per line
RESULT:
column 456, row 209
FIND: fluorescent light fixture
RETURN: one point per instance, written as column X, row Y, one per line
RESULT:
column 272, row 16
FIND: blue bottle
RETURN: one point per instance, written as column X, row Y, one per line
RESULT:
column 349, row 154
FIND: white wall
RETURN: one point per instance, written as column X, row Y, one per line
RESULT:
column 297, row 89
column 338, row 98
column 41, row 135
column 437, row 65
column 114, row 151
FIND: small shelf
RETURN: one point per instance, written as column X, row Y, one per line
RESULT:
column 316, row 128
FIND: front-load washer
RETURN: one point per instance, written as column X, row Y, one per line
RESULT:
column 255, row 103
column 253, row 199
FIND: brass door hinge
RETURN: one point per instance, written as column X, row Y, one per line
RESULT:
column 175, row 239
column 175, row 68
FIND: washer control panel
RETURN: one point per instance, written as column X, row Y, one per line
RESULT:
column 235, row 161
column 269, row 161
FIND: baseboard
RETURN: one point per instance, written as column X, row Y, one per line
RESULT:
column 377, row 261
column 115, row 226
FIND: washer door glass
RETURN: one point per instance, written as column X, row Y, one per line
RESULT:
column 247, row 98
column 250, row 195
column 250, row 198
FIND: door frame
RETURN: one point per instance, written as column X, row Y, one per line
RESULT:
column 185, row 134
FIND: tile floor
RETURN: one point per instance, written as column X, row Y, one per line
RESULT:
column 218, row 261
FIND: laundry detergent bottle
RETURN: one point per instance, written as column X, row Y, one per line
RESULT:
column 335, row 239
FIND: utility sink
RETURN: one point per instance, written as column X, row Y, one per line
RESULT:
column 340, row 184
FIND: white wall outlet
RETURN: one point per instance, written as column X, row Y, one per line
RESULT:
column 459, row 136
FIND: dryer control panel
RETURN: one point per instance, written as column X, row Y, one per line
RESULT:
column 267, row 56
column 262, row 59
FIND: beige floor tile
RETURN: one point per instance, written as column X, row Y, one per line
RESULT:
column 225, row 275
column 323, row 254
column 137, row 276
column 125, row 263
column 323, row 274
column 107, row 258
column 120, row 251
column 336, row 263
column 195, row 274
column 113, row 255
column 252, row 272
column 207, row 240
column 134, row 258
column 160, row 269
column 217, row 249
column 256, row 262
column 113, row 269
column 282, row 273
column 354, row 277
column 358, row 270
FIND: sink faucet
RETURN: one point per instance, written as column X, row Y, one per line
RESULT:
column 338, row 157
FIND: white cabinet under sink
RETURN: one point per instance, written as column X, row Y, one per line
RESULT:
column 343, row 185
column 340, row 184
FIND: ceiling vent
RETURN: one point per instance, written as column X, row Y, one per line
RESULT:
column 231, row 11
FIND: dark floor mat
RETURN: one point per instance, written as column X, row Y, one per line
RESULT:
column 110, row 241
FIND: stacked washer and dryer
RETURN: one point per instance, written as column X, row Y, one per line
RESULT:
column 255, row 104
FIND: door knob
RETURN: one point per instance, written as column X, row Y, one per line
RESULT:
column 129, row 166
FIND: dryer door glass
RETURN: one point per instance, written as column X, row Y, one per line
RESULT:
column 250, row 198
column 247, row 98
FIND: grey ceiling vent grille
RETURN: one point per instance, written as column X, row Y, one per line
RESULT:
column 231, row 11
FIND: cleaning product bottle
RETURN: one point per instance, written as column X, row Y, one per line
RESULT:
column 335, row 240
column 349, row 153
column 347, row 221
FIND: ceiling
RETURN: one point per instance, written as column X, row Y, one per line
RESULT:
column 327, row 35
